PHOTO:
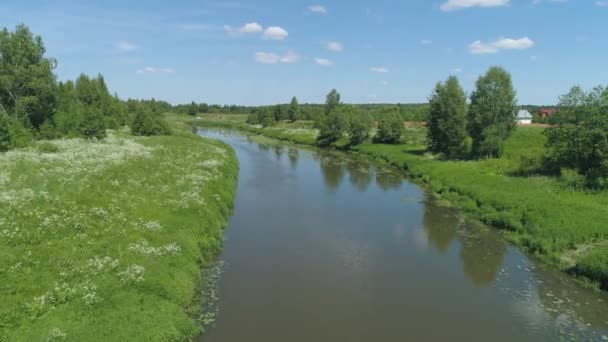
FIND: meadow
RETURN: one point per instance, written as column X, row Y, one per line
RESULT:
column 106, row 239
column 551, row 217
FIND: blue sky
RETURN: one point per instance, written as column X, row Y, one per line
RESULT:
column 265, row 51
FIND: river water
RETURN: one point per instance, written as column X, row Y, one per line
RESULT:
column 323, row 247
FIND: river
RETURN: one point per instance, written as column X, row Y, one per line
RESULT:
column 324, row 247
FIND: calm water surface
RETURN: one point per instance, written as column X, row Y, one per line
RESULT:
column 326, row 248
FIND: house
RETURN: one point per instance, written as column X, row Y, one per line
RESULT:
column 524, row 117
column 546, row 112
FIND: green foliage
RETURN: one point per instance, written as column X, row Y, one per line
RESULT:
column 148, row 123
column 390, row 128
column 447, row 128
column 594, row 266
column 5, row 138
column 26, row 77
column 491, row 116
column 579, row 140
column 93, row 124
column 278, row 113
column 268, row 119
column 193, row 109
column 332, row 101
column 359, row 127
column 294, row 110
column 21, row 136
column 332, row 126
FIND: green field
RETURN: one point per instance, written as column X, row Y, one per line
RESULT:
column 105, row 240
column 548, row 216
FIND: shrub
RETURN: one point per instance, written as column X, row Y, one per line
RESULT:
column 360, row 125
column 390, row 128
column 93, row 124
column 20, row 136
column 5, row 138
column 147, row 123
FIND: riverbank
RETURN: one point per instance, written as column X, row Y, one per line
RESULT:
column 105, row 240
column 546, row 216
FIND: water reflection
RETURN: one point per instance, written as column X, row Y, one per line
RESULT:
column 333, row 172
column 293, row 155
column 440, row 225
column 361, row 174
column 389, row 180
column 482, row 253
column 278, row 151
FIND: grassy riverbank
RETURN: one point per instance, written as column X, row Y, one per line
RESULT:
column 105, row 240
column 547, row 216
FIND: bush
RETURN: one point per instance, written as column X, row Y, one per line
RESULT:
column 20, row 136
column 360, row 125
column 332, row 127
column 390, row 129
column 48, row 131
column 147, row 123
column 93, row 124
column 5, row 138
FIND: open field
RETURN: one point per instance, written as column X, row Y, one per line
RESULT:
column 106, row 239
column 547, row 216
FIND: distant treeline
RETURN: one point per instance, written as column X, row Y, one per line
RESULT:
column 409, row 112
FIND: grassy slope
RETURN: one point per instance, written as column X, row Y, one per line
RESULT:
column 565, row 227
column 105, row 240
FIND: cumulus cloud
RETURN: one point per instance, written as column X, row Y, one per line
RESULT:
column 273, row 58
column 251, row 28
column 275, row 33
column 335, row 46
column 478, row 47
column 323, row 62
column 380, row 70
column 154, row 70
column 317, row 9
column 452, row 5
column 125, row 46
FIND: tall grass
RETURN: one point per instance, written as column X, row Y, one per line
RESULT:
column 104, row 240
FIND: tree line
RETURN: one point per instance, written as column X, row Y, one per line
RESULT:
column 34, row 105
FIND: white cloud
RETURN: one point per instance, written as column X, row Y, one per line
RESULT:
column 275, row 33
column 538, row 2
column 380, row 70
column 602, row 3
column 335, row 46
column 452, row 5
column 317, row 9
column 154, row 70
column 273, row 58
column 125, row 46
column 323, row 62
column 457, row 70
column 478, row 47
column 290, row 57
column 251, row 28
column 426, row 42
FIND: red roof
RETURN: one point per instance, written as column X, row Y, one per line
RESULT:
column 547, row 111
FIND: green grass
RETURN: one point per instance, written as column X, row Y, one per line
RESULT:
column 544, row 215
column 106, row 240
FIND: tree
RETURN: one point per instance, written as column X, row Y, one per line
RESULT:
column 447, row 123
column 192, row 108
column 579, row 138
column 332, row 127
column 93, row 124
column 267, row 119
column 492, row 112
column 294, row 110
column 359, row 127
column 27, row 82
column 332, row 101
column 148, row 123
column 5, row 138
column 278, row 113
column 390, row 128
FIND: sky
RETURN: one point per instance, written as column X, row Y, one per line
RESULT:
column 266, row 51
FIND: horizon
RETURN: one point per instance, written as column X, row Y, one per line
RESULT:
column 264, row 52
